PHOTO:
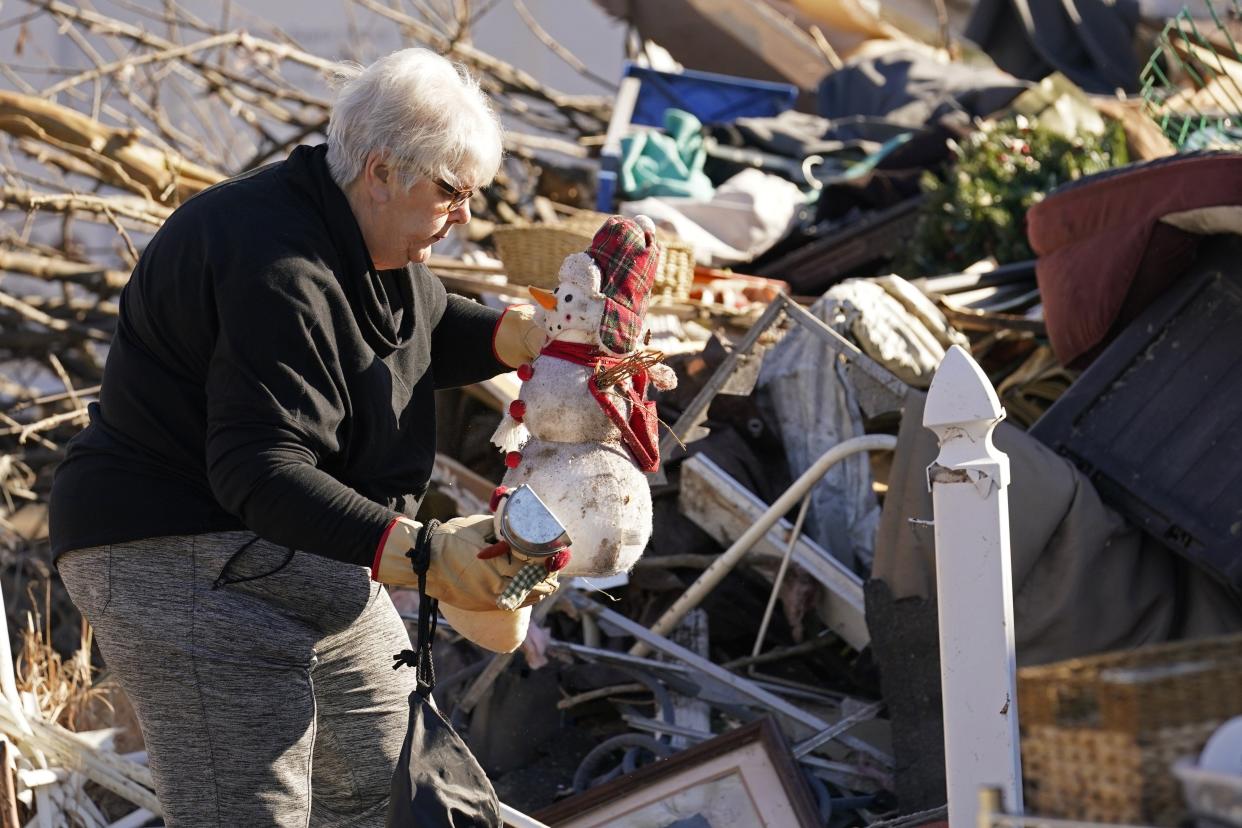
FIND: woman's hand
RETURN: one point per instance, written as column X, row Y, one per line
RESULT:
column 456, row 574
column 518, row 339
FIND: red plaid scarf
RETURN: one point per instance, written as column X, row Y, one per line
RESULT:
column 639, row 431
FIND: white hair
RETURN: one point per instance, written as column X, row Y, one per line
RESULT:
column 427, row 116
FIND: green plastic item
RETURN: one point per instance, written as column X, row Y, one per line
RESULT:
column 1192, row 83
column 668, row 163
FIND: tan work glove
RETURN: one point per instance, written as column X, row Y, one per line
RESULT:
column 456, row 575
column 500, row 631
column 517, row 339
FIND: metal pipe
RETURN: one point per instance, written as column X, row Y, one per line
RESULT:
column 697, row 408
column 723, row 565
column 517, row 819
column 780, row 578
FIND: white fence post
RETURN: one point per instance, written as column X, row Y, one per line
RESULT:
column 974, row 589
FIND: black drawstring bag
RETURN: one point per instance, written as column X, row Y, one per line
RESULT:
column 438, row 782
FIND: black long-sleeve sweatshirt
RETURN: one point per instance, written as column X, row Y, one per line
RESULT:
column 265, row 376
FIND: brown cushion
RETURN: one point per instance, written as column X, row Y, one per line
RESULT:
column 1103, row 256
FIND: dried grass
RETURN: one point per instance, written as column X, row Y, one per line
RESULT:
column 64, row 690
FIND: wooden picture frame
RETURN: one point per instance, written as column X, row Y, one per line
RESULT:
column 744, row 777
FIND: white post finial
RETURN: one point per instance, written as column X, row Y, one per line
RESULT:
column 974, row 588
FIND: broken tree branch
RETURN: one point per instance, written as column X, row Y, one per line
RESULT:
column 557, row 49
column 59, row 269
column 140, row 210
column 514, row 78
column 52, row 323
column 146, row 170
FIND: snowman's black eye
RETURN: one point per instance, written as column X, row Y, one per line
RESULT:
column 569, row 297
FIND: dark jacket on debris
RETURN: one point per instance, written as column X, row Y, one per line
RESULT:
column 265, row 376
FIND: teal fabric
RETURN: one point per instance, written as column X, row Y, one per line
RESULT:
column 668, row 163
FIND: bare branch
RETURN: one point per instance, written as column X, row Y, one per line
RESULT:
column 129, row 243
column 559, row 50
column 140, row 210
column 121, row 159
column 50, row 322
column 17, row 429
column 130, row 63
column 221, row 76
column 49, row 156
column 63, row 375
column 48, row 423
column 515, row 79
column 51, row 268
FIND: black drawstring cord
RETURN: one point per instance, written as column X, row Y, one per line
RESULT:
column 223, row 579
column 428, row 616
column 405, row 658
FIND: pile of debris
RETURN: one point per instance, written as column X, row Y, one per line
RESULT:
column 840, row 205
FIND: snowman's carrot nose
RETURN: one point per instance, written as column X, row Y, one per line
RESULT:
column 543, row 297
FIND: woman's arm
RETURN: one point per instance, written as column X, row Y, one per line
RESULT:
column 463, row 344
column 275, row 403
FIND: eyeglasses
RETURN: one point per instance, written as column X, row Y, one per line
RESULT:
column 456, row 197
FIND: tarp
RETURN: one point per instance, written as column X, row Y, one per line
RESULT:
column 1084, row 581
column 1090, row 41
column 910, row 85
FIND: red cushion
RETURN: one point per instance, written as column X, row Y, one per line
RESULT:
column 1103, row 256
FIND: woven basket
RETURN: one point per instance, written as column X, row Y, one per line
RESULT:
column 1099, row 734
column 532, row 254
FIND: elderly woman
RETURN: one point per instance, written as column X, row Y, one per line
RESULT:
column 265, row 433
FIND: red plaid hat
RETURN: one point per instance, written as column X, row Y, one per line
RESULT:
column 627, row 255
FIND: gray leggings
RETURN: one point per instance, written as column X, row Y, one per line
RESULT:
column 262, row 679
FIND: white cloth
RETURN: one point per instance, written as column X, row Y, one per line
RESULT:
column 814, row 402
column 894, row 324
column 747, row 215
column 810, row 396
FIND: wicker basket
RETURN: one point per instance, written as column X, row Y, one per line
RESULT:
column 532, row 253
column 1100, row 734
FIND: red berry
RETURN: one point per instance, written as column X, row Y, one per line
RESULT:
column 513, row 458
column 517, row 410
column 525, row 371
column 497, row 494
column 558, row 560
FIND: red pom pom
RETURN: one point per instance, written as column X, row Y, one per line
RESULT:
column 512, row 459
column 525, row 371
column 558, row 560
column 517, row 410
column 497, row 494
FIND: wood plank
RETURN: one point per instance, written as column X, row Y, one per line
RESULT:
column 472, row 280
column 470, row 490
column 690, row 712
column 498, row 391
column 724, row 509
column 8, row 790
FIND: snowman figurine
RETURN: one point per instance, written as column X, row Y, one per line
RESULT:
column 582, row 435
